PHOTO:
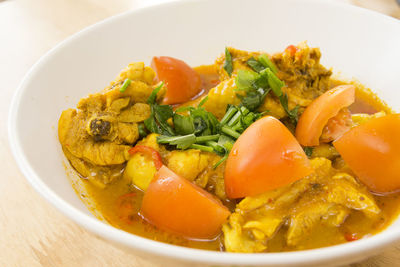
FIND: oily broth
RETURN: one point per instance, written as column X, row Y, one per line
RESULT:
column 357, row 224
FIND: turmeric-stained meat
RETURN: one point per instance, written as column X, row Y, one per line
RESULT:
column 104, row 127
column 325, row 197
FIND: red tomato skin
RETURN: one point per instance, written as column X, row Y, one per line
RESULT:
column 316, row 116
column 183, row 83
column 174, row 204
column 265, row 157
column 372, row 151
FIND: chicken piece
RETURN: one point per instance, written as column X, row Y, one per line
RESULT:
column 74, row 137
column 139, row 89
column 266, row 226
column 239, row 62
column 237, row 239
column 221, row 96
column 128, row 132
column 188, row 163
column 102, row 130
column 324, row 197
column 213, row 179
column 347, row 192
column 305, row 217
column 273, row 107
column 119, row 104
column 302, row 73
column 136, row 113
column 100, row 176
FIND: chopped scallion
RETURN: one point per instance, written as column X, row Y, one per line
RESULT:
column 125, row 85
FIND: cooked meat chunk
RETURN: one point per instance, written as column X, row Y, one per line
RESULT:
column 239, row 61
column 104, row 127
column 325, row 197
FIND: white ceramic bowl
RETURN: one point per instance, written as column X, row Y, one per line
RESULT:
column 355, row 41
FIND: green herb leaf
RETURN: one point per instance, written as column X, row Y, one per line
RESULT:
column 267, row 63
column 231, row 110
column 217, row 148
column 125, row 85
column 226, row 141
column 206, row 138
column 246, row 80
column 162, row 113
column 228, row 66
column 153, row 96
column 151, row 124
column 308, row 150
column 229, row 131
column 220, row 161
column 183, row 124
column 274, row 82
column 254, row 99
column 202, row 148
column 181, row 142
column 293, row 114
column 255, row 64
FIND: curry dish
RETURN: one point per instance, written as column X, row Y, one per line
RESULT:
column 254, row 153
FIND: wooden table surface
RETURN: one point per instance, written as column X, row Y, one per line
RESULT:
column 33, row 232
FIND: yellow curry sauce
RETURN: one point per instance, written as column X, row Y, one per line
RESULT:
column 357, row 223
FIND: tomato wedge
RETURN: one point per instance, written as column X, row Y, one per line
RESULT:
column 372, row 151
column 317, row 114
column 182, row 82
column 175, row 204
column 265, row 157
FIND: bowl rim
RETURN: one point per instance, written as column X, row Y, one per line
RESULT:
column 341, row 251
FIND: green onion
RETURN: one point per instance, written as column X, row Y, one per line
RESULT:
column 221, row 161
column 215, row 146
column 205, row 138
column 274, row 82
column 228, row 115
column 125, row 85
column 242, row 112
column 202, row 148
column 227, row 130
column 266, row 62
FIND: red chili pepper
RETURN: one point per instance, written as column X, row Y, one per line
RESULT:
column 149, row 151
column 351, row 237
column 291, row 49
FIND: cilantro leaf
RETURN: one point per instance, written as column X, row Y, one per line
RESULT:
column 255, row 64
column 181, row 142
column 228, row 66
column 183, row 124
column 152, row 98
column 246, row 80
column 293, row 114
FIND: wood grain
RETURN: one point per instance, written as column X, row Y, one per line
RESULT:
column 32, row 232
